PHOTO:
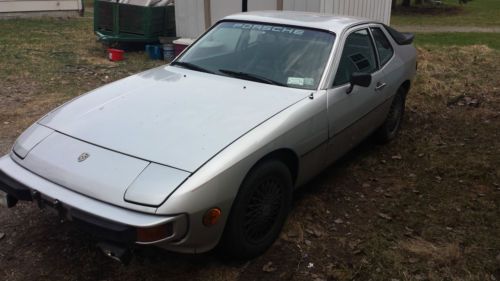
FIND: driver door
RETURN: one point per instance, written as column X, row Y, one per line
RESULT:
column 349, row 114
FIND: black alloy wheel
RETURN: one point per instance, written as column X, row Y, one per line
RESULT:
column 259, row 211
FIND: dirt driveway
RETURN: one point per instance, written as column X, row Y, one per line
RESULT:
column 424, row 207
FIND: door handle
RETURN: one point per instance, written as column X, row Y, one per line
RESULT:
column 380, row 86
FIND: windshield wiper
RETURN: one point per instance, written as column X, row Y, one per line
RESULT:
column 251, row 77
column 192, row 66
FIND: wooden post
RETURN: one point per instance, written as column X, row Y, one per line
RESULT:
column 208, row 13
column 279, row 5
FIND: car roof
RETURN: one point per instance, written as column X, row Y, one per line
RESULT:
column 329, row 22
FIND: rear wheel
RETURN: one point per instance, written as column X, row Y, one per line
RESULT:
column 392, row 124
column 259, row 211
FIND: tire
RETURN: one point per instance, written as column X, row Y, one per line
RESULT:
column 259, row 211
column 392, row 124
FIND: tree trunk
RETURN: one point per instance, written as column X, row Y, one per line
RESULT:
column 406, row 3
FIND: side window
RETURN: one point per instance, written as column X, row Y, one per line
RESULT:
column 358, row 56
column 384, row 47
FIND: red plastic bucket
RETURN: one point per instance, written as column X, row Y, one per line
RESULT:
column 115, row 54
column 178, row 48
column 181, row 44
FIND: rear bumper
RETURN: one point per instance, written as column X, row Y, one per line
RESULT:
column 107, row 222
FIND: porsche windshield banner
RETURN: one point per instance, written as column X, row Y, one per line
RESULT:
column 271, row 28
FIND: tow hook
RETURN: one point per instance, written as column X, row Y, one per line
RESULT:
column 116, row 252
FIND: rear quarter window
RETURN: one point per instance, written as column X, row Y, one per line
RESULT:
column 384, row 47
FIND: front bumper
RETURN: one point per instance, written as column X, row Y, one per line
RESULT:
column 107, row 222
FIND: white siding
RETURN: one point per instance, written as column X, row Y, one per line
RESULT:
column 303, row 5
column 192, row 16
column 379, row 10
column 261, row 5
column 12, row 6
column 222, row 8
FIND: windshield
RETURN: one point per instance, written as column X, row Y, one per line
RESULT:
column 273, row 54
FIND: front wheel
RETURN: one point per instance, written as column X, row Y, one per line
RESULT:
column 259, row 211
column 392, row 124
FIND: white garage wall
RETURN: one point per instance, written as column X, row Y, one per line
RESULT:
column 303, row 5
column 193, row 17
column 190, row 18
column 379, row 10
column 261, row 5
column 10, row 6
column 222, row 8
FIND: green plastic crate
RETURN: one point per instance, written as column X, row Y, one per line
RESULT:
column 116, row 22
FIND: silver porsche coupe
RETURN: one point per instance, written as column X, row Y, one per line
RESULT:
column 207, row 151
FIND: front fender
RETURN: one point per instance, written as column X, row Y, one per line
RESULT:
column 300, row 128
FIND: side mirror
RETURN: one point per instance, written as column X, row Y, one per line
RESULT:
column 360, row 79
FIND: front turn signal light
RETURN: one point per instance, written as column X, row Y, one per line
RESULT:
column 211, row 216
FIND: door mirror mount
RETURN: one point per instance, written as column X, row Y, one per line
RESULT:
column 360, row 79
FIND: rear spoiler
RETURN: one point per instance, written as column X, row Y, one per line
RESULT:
column 402, row 38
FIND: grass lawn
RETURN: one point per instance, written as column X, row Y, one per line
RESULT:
column 475, row 13
column 491, row 40
column 424, row 207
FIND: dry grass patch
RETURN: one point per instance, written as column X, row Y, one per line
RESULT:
column 454, row 73
column 439, row 253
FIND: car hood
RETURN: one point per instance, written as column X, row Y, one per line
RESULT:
column 171, row 116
